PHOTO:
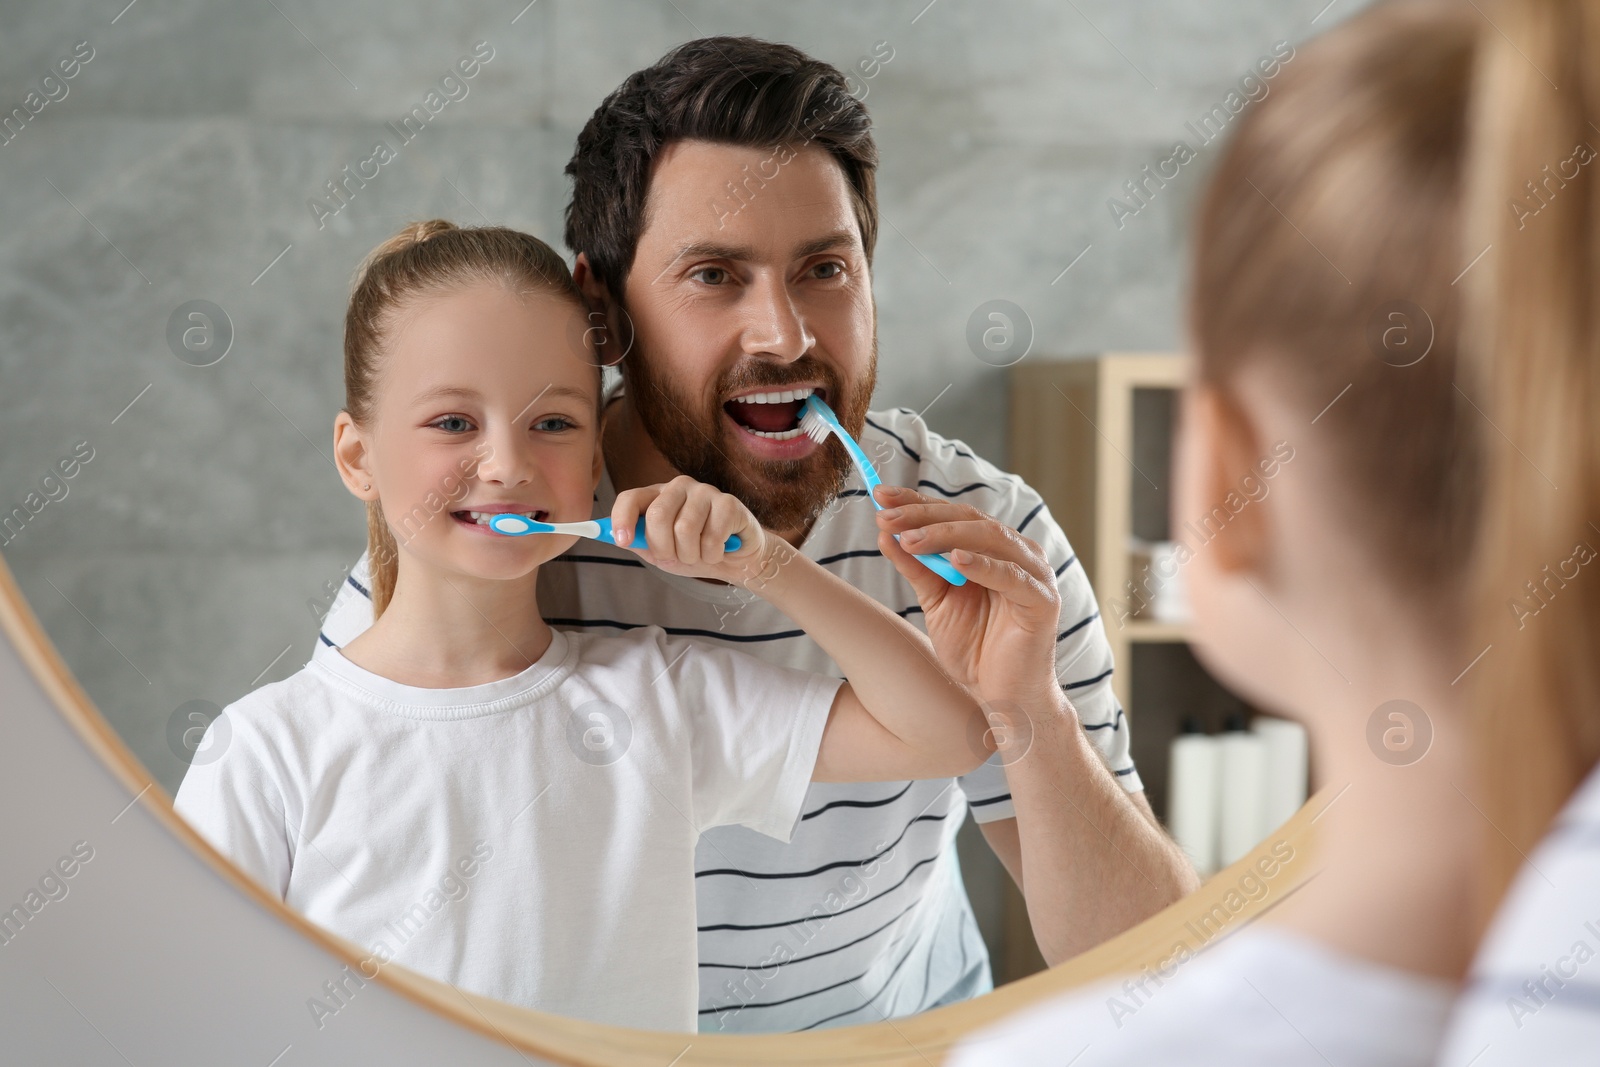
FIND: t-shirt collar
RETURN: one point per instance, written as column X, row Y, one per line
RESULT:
column 467, row 702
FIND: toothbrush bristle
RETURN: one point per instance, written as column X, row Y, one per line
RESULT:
column 814, row 426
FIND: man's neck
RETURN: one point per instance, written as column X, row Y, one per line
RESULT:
column 632, row 458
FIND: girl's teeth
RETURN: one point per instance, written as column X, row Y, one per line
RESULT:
column 482, row 517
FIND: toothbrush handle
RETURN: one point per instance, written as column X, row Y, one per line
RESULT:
column 938, row 564
column 732, row 544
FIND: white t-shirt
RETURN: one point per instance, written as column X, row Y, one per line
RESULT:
column 1533, row 995
column 1262, row 996
column 531, row 839
column 862, row 914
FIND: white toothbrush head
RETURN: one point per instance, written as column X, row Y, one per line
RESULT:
column 813, row 424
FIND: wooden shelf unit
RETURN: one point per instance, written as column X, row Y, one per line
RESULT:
column 1072, row 439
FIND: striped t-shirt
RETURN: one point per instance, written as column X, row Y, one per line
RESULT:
column 862, row 914
column 1533, row 995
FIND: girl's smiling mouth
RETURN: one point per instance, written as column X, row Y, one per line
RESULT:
column 478, row 518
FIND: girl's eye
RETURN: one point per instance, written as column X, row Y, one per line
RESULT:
column 711, row 275
column 553, row 423
column 452, row 424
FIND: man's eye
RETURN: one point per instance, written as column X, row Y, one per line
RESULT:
column 711, row 275
column 452, row 424
column 829, row 270
column 553, row 423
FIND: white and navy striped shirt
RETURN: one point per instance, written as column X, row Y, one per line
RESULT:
column 1533, row 995
column 862, row 915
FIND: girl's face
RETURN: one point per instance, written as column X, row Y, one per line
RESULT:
column 483, row 405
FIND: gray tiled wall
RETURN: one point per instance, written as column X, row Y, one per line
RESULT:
column 179, row 164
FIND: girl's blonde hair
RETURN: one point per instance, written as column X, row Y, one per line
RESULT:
column 1329, row 234
column 1535, row 205
column 425, row 259
column 1428, row 154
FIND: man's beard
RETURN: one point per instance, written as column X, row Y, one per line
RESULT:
column 694, row 437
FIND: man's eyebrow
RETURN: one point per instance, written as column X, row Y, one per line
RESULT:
column 826, row 243
column 712, row 250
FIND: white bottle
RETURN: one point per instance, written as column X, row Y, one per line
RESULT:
column 1192, row 802
column 1242, row 758
column 1284, row 782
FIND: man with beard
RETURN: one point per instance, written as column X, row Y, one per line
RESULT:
column 724, row 215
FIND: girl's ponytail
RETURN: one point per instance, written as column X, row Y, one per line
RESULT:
column 1534, row 370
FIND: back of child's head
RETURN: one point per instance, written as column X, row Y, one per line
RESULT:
column 1332, row 216
column 423, row 261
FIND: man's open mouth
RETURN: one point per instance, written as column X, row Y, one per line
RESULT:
column 773, row 414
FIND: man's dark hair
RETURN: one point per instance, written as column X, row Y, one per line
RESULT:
column 728, row 90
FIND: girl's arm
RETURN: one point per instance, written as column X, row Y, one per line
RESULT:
column 899, row 715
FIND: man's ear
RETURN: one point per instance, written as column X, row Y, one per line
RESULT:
column 1229, row 447
column 614, row 341
column 353, row 457
column 594, row 291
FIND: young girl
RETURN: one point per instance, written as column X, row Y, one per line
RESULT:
column 1326, row 314
column 488, row 800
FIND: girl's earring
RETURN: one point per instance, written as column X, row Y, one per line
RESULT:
column 366, row 487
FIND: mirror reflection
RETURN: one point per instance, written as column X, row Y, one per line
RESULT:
column 896, row 744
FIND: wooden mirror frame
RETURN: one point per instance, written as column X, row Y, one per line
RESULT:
column 234, row 962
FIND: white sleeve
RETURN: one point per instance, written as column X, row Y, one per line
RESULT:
column 237, row 803
column 755, row 731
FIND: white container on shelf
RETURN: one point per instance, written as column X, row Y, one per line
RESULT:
column 1171, row 600
column 1283, row 789
column 1193, row 803
column 1156, row 579
column 1242, row 758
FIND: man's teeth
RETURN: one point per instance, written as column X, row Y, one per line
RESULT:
column 783, row 397
column 775, row 435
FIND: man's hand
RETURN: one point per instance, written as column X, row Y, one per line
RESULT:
column 997, row 633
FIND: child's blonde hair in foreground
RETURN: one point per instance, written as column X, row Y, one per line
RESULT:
column 427, row 259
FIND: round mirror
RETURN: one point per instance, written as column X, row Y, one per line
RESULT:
column 191, row 193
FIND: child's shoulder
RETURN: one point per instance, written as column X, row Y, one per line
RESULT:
column 281, row 704
column 651, row 651
column 633, row 645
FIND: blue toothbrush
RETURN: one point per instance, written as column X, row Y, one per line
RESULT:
column 514, row 525
column 818, row 421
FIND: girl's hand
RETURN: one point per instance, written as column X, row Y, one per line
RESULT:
column 687, row 523
column 997, row 633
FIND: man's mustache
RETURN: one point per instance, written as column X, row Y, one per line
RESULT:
column 768, row 376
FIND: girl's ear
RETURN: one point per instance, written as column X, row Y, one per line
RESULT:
column 1228, row 447
column 353, row 457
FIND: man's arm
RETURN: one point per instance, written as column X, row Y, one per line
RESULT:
column 1090, row 857
column 1096, row 860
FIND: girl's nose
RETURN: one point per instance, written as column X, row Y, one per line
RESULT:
column 506, row 464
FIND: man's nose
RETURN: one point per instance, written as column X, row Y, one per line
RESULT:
column 777, row 326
